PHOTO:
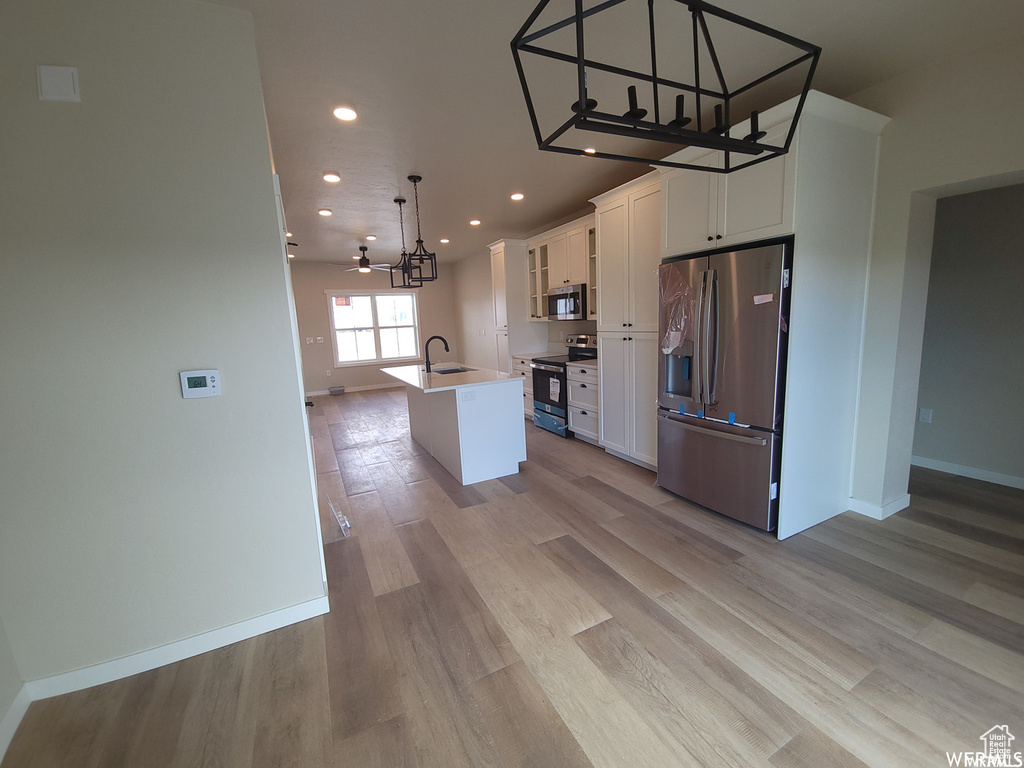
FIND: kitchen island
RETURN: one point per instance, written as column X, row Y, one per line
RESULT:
column 470, row 420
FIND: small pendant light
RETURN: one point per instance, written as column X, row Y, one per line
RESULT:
column 422, row 259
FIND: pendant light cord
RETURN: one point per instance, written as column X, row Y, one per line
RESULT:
column 416, row 195
column 401, row 223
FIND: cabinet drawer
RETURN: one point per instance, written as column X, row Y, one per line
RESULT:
column 583, row 395
column 583, row 421
column 581, row 372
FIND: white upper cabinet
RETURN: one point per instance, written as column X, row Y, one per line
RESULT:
column 576, row 257
column 708, row 210
column 558, row 257
column 628, row 254
column 612, row 266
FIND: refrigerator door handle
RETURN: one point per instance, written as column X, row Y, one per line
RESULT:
column 716, row 433
column 698, row 324
column 711, row 369
column 705, row 332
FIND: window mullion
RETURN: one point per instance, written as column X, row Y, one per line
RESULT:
column 376, row 328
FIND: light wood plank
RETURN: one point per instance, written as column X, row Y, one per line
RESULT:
column 363, row 682
column 386, row 559
column 999, row 664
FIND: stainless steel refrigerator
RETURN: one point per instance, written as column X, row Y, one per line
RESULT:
column 721, row 374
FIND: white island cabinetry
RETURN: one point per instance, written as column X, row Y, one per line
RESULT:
column 471, row 422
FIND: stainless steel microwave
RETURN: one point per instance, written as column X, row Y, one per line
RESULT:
column 568, row 302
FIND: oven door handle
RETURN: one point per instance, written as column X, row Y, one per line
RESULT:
column 552, row 368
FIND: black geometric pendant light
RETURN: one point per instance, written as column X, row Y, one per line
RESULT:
column 425, row 261
column 639, row 80
column 407, row 276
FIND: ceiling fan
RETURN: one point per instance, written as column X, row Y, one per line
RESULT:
column 364, row 263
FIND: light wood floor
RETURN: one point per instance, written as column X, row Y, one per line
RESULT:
column 576, row 615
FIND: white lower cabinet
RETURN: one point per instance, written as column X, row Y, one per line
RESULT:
column 521, row 368
column 628, row 395
column 584, row 400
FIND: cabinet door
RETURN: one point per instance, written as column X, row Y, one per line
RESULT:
column 691, row 209
column 645, row 255
column 558, row 261
column 498, row 287
column 644, row 397
column 611, row 267
column 613, row 368
column 757, row 202
column 533, row 276
column 577, row 268
column 502, row 360
column 592, row 286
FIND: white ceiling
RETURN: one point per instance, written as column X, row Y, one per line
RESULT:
column 437, row 95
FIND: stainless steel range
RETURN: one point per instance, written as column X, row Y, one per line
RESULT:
column 550, row 390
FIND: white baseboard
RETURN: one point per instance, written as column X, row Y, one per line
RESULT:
column 1011, row 481
column 877, row 512
column 363, row 388
column 10, row 722
column 630, row 459
column 108, row 671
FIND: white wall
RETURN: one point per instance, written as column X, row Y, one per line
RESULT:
column 139, row 239
column 474, row 306
column 955, row 128
column 971, row 364
column 10, row 686
column 435, row 301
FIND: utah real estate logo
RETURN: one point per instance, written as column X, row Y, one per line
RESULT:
column 997, row 751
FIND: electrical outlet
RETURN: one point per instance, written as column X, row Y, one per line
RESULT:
column 925, row 416
column 319, row 339
column 309, row 339
column 328, row 371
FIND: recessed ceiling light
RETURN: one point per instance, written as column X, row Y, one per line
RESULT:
column 474, row 223
column 356, row 258
column 291, row 255
column 332, row 177
column 518, row 195
column 325, row 212
column 287, row 234
column 345, row 113
column 371, row 237
column 445, row 241
column 590, row 151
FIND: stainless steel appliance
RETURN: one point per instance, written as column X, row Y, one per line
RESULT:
column 567, row 302
column 723, row 330
column 550, row 385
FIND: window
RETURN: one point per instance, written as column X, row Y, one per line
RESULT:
column 371, row 327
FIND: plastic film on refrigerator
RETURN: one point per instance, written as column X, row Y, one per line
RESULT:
column 678, row 304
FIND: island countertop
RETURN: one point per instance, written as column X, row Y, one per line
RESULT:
column 417, row 376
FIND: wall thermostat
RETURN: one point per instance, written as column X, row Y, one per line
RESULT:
column 200, row 383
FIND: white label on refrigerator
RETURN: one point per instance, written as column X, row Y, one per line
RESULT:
column 556, row 389
column 774, row 493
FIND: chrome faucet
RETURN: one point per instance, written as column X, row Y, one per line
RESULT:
column 426, row 349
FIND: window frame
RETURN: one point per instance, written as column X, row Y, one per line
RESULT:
column 373, row 294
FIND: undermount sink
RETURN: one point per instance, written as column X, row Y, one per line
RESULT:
column 458, row 369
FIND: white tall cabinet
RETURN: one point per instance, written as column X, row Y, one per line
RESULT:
column 628, row 237
column 822, row 193
column 512, row 331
